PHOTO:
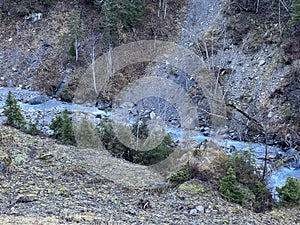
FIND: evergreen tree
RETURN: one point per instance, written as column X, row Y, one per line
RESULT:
column 230, row 188
column 289, row 194
column 75, row 34
column 87, row 134
column 32, row 128
column 120, row 14
column 12, row 111
column 62, row 127
column 295, row 14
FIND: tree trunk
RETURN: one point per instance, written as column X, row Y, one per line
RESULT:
column 76, row 49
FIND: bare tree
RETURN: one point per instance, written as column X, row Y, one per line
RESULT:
column 94, row 39
column 75, row 33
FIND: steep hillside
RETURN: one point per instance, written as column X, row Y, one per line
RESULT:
column 254, row 55
column 249, row 48
column 48, row 183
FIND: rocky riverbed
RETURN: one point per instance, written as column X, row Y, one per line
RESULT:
column 38, row 106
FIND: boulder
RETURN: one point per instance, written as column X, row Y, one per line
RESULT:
column 38, row 100
column 204, row 162
column 292, row 158
column 101, row 105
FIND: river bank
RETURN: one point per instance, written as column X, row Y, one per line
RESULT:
column 50, row 107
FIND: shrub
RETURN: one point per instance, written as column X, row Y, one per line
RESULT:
column 116, row 148
column 191, row 188
column 87, row 134
column 246, row 172
column 32, row 128
column 180, row 176
column 65, row 95
column 62, row 127
column 289, row 194
column 12, row 111
column 231, row 190
column 47, row 2
column 75, row 34
column 71, row 52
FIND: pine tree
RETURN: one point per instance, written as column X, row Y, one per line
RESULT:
column 295, row 14
column 75, row 34
column 32, row 128
column 62, row 127
column 120, row 14
column 12, row 111
column 230, row 189
column 87, row 134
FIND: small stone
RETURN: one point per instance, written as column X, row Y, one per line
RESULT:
column 18, row 28
column 261, row 62
column 152, row 115
column 46, row 156
column 200, row 208
column 206, row 131
column 270, row 115
column 193, row 211
column 1, row 166
column 134, row 111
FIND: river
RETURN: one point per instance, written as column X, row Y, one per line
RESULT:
column 48, row 109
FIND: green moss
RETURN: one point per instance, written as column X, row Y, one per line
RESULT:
column 191, row 188
column 286, row 110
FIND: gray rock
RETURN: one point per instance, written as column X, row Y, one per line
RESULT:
column 152, row 115
column 68, row 69
column 270, row 115
column 34, row 17
column 1, row 166
column 206, row 131
column 261, row 62
column 134, row 111
column 101, row 105
column 127, row 105
column 38, row 100
column 9, row 83
column 159, row 186
column 293, row 159
column 200, row 208
column 193, row 211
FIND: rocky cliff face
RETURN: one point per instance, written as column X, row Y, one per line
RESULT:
column 254, row 55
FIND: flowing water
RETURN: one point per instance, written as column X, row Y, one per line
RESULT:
column 53, row 106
